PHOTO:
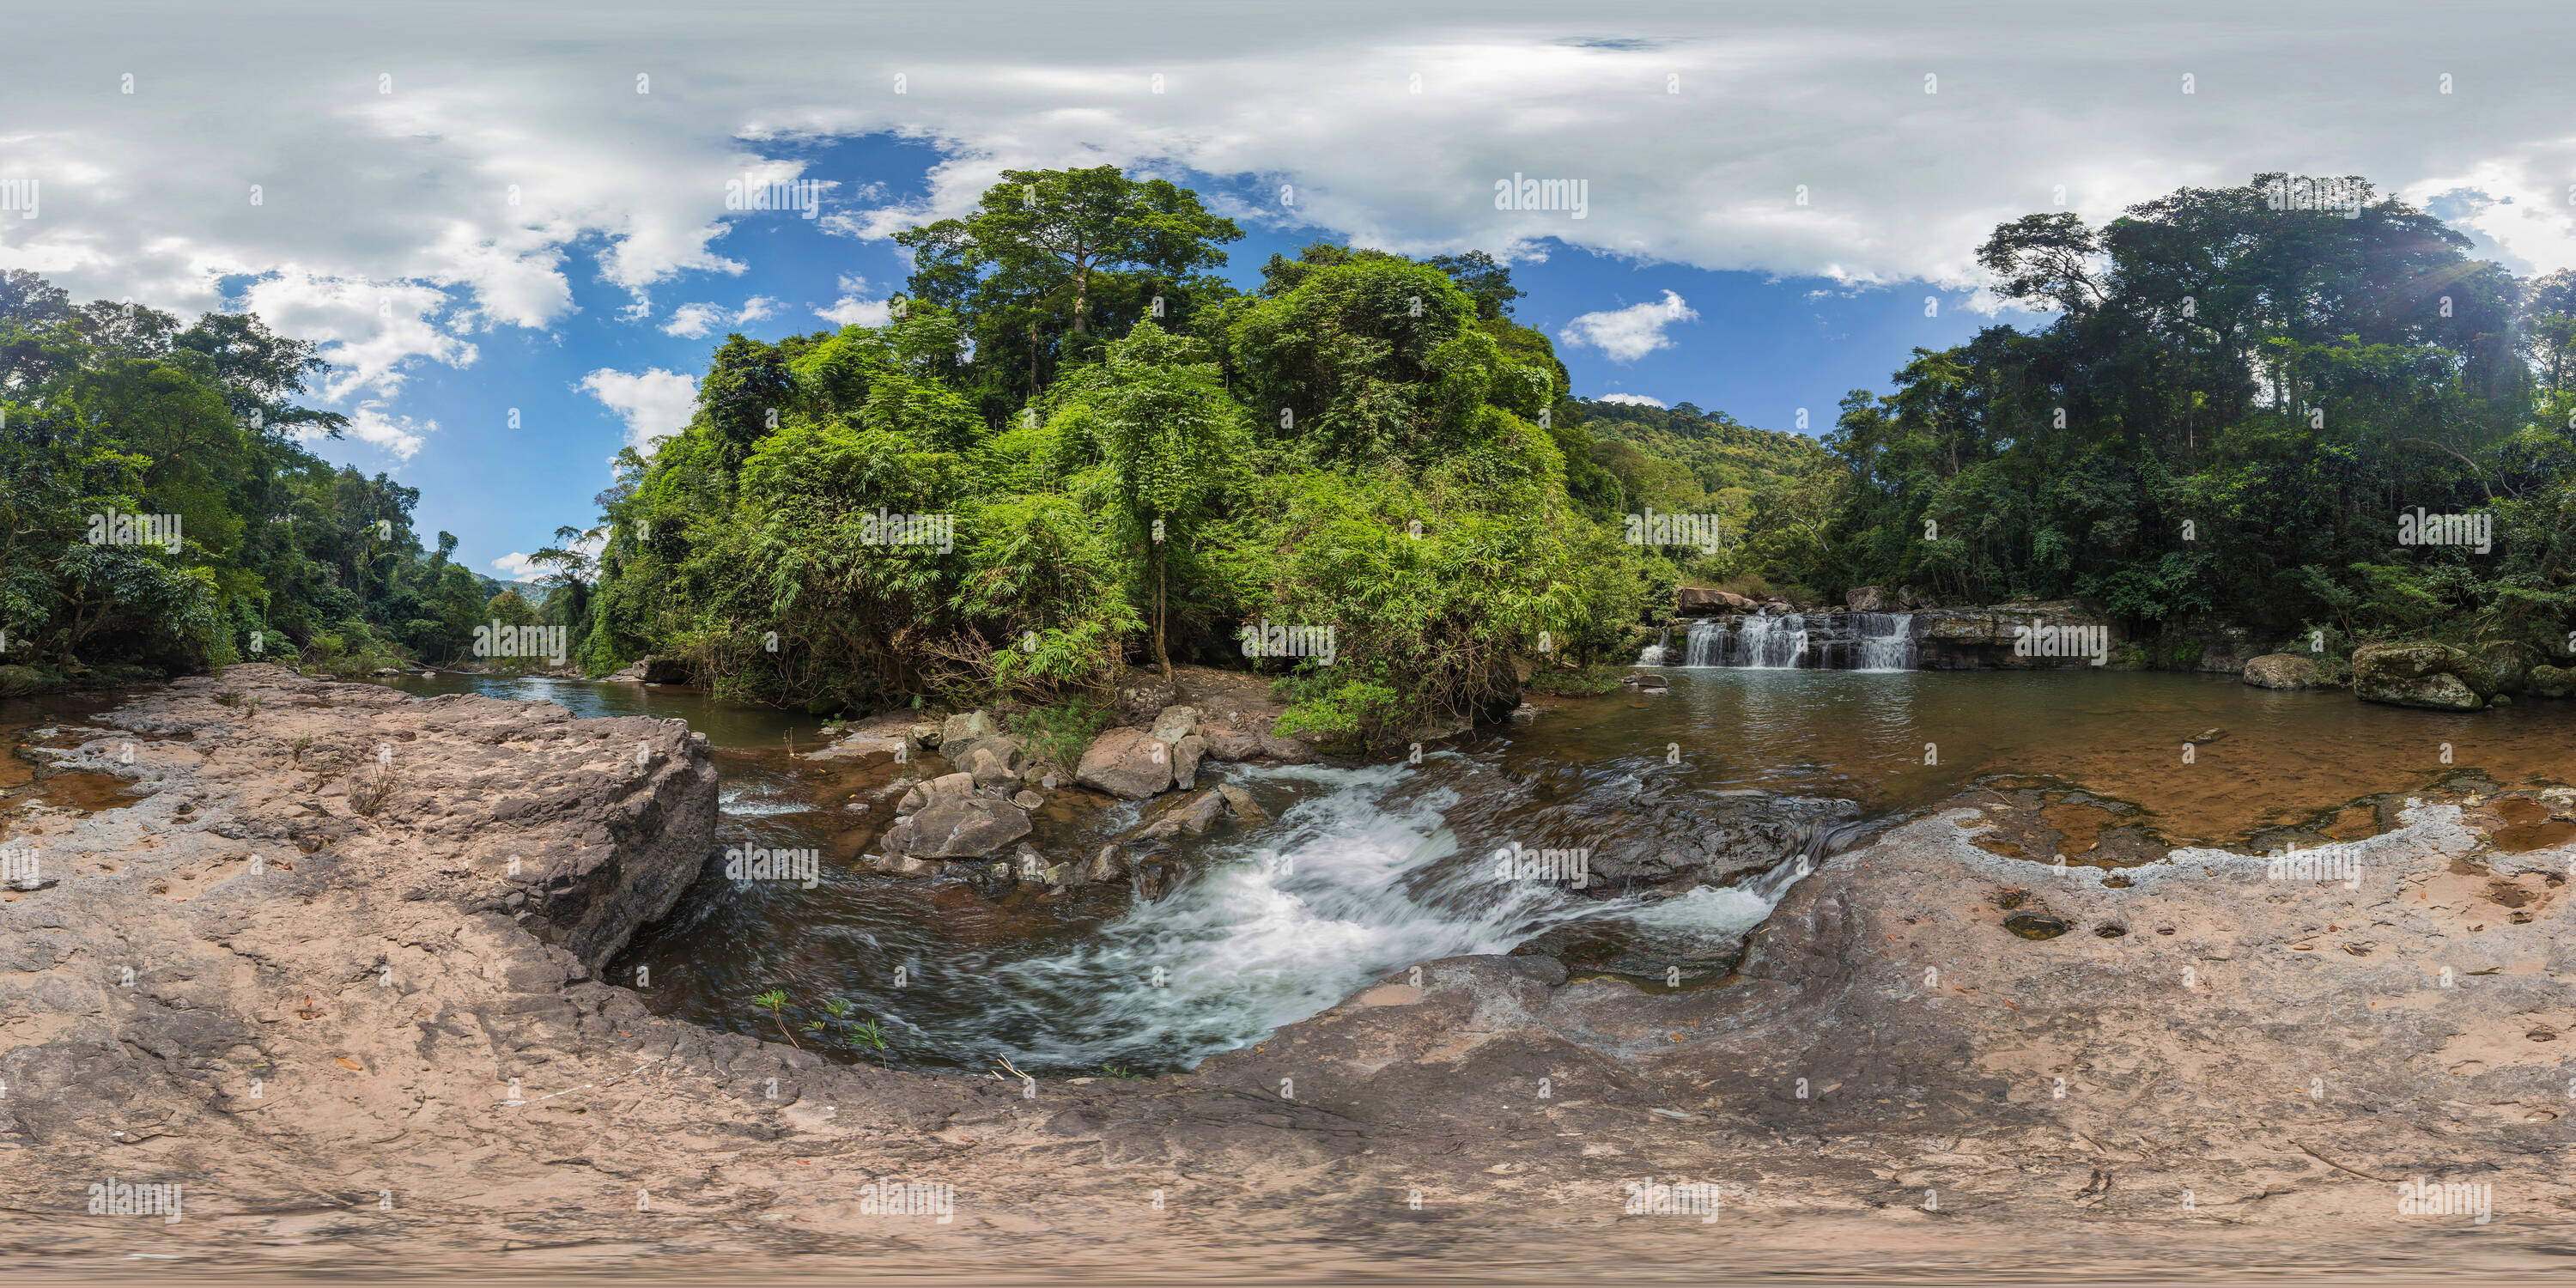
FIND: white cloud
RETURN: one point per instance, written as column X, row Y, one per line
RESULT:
column 653, row 403
column 850, row 310
column 693, row 321
column 1632, row 400
column 514, row 566
column 399, row 436
column 507, row 159
column 1630, row 333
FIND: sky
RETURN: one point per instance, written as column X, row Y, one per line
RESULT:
column 508, row 222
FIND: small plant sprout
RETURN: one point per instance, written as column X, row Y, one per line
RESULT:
column 775, row 1002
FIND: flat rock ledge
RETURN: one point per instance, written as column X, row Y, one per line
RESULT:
column 371, row 1046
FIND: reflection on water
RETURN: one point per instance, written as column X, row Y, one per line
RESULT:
column 1368, row 868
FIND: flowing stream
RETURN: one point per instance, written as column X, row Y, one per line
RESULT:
column 1366, row 868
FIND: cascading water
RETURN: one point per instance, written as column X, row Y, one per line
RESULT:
column 1705, row 644
column 1886, row 641
column 1655, row 653
column 1772, row 643
column 1351, row 884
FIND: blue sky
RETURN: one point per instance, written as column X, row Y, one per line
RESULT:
column 1760, row 348
column 476, row 206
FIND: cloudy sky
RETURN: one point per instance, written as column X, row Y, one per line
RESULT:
column 508, row 221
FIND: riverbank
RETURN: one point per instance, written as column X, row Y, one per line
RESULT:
column 333, row 990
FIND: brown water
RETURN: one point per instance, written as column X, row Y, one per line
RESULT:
column 1368, row 867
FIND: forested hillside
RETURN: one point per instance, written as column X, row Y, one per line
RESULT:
column 236, row 541
column 2228, row 415
column 1123, row 463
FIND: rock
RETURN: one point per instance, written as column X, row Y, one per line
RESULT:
column 1241, row 802
column 631, row 675
column 1028, row 799
column 995, row 762
column 1144, row 696
column 1642, row 681
column 667, row 670
column 2281, row 671
column 1440, row 728
column 957, row 827
column 967, row 728
column 1230, row 746
column 1201, row 814
column 1108, row 865
column 2436, row 676
column 2548, row 681
column 1694, row 601
column 1866, row 599
column 1175, row 723
column 1908, row 601
column 388, row 670
column 1185, row 761
column 1130, row 764
column 20, row 681
column 2507, row 664
column 924, row 735
column 1286, row 750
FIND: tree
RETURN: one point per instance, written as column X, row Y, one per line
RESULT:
column 1053, row 259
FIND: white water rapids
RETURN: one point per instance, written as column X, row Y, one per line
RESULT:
column 1341, row 889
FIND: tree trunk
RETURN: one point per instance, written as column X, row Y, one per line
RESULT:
column 1081, row 297
column 1162, row 653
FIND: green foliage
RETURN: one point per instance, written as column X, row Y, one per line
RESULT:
column 117, row 409
column 2226, row 416
column 1358, row 447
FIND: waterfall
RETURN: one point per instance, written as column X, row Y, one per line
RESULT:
column 1886, row 641
column 1772, row 643
column 1656, row 652
column 1702, row 647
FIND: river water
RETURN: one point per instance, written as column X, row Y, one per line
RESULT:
column 1368, row 867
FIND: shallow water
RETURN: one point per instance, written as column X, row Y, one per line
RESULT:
column 1368, row 868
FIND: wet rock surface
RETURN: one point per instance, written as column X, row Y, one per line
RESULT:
column 362, row 1052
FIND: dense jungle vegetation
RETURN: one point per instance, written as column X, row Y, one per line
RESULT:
column 2220, row 416
column 111, row 409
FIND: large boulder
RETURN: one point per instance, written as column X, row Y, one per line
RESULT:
column 1172, row 724
column 1185, row 761
column 2551, row 682
column 2436, row 676
column 2281, row 671
column 2507, row 664
column 1695, row 601
column 1867, row 599
column 1131, row 764
column 994, row 762
column 1229, row 745
column 956, row 732
column 958, row 827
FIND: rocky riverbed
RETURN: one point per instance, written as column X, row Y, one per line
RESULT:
column 332, row 969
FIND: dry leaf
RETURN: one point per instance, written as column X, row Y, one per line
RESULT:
column 347, row 1063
